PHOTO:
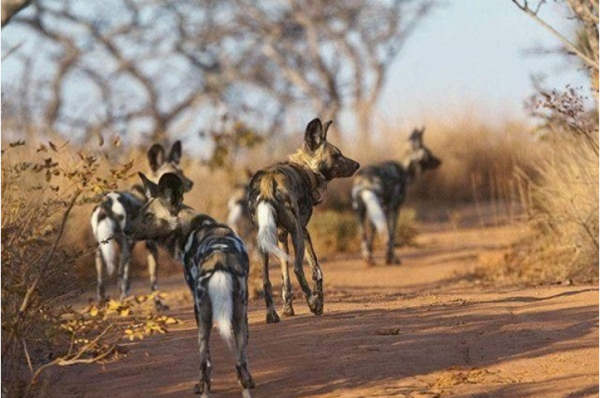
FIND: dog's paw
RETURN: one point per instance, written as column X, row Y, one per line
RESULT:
column 272, row 317
column 315, row 304
column 161, row 307
column 288, row 310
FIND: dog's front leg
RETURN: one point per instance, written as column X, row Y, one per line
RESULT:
column 317, row 274
column 124, row 284
column 100, row 293
column 152, row 257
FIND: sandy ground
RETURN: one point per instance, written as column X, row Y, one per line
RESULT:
column 414, row 330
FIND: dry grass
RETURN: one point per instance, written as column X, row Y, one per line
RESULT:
column 479, row 161
column 478, row 165
column 40, row 188
column 561, row 200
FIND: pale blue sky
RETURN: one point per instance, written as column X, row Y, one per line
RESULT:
column 471, row 54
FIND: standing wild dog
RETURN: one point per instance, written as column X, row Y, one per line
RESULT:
column 238, row 217
column 281, row 199
column 216, row 269
column 115, row 212
column 379, row 190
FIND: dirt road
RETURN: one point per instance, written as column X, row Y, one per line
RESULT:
column 414, row 330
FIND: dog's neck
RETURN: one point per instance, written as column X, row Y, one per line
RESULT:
column 318, row 182
column 174, row 242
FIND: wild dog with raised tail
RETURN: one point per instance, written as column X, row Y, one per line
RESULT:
column 281, row 199
column 216, row 269
column 115, row 212
column 379, row 190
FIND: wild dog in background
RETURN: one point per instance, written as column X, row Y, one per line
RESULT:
column 238, row 217
column 216, row 269
column 281, row 199
column 379, row 190
column 114, row 213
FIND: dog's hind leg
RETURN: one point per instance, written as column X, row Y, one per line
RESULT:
column 204, row 320
column 298, row 243
column 240, row 328
column 317, row 274
column 286, row 289
column 366, row 244
column 272, row 316
column 100, row 292
column 392, row 221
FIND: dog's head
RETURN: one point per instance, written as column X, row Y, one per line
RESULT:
column 159, row 216
column 161, row 164
column 323, row 157
column 421, row 157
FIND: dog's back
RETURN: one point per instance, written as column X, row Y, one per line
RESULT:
column 285, row 185
column 388, row 180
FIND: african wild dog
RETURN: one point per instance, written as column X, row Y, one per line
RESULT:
column 114, row 213
column 238, row 217
column 281, row 199
column 379, row 190
column 216, row 269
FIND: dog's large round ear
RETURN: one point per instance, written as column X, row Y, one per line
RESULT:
column 150, row 188
column 175, row 152
column 156, row 156
column 170, row 188
column 314, row 137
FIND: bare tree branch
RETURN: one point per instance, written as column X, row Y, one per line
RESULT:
column 11, row 7
column 571, row 47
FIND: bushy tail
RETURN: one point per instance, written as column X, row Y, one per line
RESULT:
column 374, row 210
column 104, row 231
column 220, row 291
column 267, row 230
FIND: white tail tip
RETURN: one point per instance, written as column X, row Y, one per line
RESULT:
column 267, row 231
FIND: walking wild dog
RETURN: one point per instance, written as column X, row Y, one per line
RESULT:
column 379, row 190
column 115, row 212
column 216, row 269
column 281, row 199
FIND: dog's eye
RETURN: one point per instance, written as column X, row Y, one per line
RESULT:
column 148, row 216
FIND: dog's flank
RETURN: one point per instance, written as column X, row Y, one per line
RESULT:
column 379, row 191
column 281, row 199
column 215, row 266
column 112, row 216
